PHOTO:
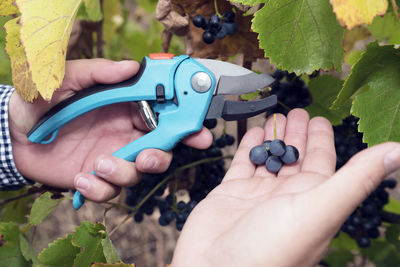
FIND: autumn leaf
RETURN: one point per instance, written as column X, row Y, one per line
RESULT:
column 352, row 13
column 7, row 8
column 45, row 29
column 21, row 75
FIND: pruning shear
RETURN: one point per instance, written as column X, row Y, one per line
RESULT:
column 175, row 95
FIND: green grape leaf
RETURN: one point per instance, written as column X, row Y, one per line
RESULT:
column 339, row 258
column 112, row 19
column 90, row 10
column 60, row 253
column 392, row 206
column 27, row 250
column 10, row 251
column 386, row 28
column 7, row 8
column 367, row 69
column 21, row 74
column 45, row 30
column 381, row 101
column 110, row 253
column 42, row 207
column 300, row 35
column 382, row 254
column 324, row 89
column 88, row 237
column 343, row 242
column 353, row 57
column 119, row 264
column 393, row 234
column 17, row 210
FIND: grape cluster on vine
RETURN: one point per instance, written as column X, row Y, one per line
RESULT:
column 206, row 177
column 363, row 224
column 216, row 26
column 291, row 92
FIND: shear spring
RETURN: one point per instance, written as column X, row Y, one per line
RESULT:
column 147, row 114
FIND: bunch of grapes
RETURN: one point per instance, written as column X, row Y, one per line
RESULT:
column 290, row 90
column 217, row 26
column 363, row 223
column 206, row 177
column 348, row 141
column 274, row 154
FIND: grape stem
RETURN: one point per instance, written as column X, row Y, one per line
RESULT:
column 390, row 217
column 274, row 125
column 216, row 9
column 284, row 106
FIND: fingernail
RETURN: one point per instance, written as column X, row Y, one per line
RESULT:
column 105, row 166
column 82, row 184
column 392, row 161
column 151, row 163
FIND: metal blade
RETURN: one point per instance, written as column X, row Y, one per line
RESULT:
column 236, row 110
column 233, row 79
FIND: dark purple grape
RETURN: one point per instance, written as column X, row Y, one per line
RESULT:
column 231, row 27
column 220, row 142
column 222, row 32
column 291, row 155
column 258, row 155
column 266, row 144
column 181, row 205
column 373, row 233
column 181, row 217
column 162, row 221
column 138, row 217
column 229, row 16
column 389, row 183
column 190, row 206
column 200, row 21
column 363, row 242
column 230, row 140
column 273, row 164
column 179, row 226
column 210, row 123
column 350, row 229
column 369, row 209
column 277, row 147
column 215, row 23
column 208, row 37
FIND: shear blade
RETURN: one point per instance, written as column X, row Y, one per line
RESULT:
column 236, row 110
column 233, row 79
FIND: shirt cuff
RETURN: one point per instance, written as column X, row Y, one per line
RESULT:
column 10, row 178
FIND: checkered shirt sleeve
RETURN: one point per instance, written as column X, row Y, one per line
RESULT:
column 10, row 178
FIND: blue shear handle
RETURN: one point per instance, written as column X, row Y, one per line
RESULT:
column 175, row 121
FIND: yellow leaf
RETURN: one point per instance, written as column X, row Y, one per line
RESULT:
column 21, row 75
column 7, row 8
column 352, row 13
column 45, row 30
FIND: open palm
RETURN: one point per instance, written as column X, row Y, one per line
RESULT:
column 256, row 218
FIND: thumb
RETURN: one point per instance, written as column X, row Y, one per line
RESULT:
column 339, row 196
column 83, row 73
